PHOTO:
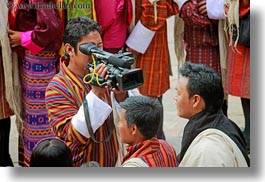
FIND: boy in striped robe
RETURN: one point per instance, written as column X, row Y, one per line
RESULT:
column 138, row 125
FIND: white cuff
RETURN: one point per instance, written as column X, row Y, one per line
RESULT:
column 140, row 38
column 215, row 9
column 98, row 113
column 180, row 2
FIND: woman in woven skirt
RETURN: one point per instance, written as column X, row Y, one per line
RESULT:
column 35, row 34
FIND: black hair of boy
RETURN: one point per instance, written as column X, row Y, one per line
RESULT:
column 51, row 153
column 77, row 28
column 144, row 112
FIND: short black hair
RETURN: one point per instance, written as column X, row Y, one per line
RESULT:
column 144, row 112
column 77, row 28
column 51, row 152
column 205, row 82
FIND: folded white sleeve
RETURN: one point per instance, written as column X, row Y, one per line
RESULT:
column 180, row 2
column 98, row 113
column 140, row 38
column 215, row 9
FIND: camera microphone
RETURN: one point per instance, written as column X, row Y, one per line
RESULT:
column 90, row 48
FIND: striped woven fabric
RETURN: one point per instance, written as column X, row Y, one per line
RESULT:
column 62, row 105
column 154, row 152
column 155, row 62
column 36, row 71
column 237, row 80
column 238, row 72
column 201, row 37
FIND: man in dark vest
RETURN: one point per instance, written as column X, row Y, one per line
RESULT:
column 210, row 139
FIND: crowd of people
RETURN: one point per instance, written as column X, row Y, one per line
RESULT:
column 65, row 121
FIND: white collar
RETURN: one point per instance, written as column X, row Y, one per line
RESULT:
column 153, row 2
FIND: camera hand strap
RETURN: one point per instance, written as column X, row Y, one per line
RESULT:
column 87, row 118
column 89, row 127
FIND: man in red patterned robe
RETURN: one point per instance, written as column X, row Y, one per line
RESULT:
column 148, row 40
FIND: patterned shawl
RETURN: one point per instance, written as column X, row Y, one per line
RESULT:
column 154, row 152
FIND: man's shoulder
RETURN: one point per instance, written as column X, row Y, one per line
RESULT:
column 165, row 143
column 210, row 140
column 213, row 147
column 167, row 148
column 57, row 84
column 134, row 162
column 58, row 80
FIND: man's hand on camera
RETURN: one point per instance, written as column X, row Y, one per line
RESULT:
column 101, row 70
column 120, row 95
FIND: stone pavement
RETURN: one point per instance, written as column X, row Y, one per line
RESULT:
column 173, row 125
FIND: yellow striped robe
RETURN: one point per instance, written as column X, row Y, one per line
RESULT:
column 62, row 106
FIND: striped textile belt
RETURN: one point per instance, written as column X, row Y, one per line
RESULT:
column 43, row 53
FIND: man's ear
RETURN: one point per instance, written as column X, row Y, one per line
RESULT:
column 133, row 129
column 69, row 49
column 196, row 100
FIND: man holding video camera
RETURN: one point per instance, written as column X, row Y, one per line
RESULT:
column 74, row 107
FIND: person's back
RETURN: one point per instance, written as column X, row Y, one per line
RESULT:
column 138, row 125
column 113, row 21
column 200, row 36
column 51, row 152
column 237, row 80
column 148, row 41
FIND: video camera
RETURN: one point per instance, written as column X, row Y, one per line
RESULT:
column 118, row 68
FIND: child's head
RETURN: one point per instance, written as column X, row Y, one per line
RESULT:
column 139, row 119
column 51, row 152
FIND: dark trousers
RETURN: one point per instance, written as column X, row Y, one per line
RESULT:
column 246, row 111
column 5, row 159
column 160, row 132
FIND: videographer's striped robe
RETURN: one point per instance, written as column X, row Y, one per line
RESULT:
column 62, row 105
